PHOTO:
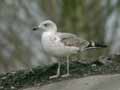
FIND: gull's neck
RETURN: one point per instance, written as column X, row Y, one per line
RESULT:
column 51, row 30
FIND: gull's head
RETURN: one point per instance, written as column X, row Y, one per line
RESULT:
column 46, row 25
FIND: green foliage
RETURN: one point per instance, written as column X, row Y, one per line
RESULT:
column 81, row 17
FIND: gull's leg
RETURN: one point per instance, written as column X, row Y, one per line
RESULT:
column 67, row 74
column 58, row 71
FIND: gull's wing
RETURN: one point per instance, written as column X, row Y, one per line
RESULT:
column 72, row 40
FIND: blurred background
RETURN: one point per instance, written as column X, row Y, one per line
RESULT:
column 20, row 48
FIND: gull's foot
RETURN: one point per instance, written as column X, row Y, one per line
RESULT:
column 54, row 76
column 65, row 75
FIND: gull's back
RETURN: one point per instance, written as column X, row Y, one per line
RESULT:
column 72, row 40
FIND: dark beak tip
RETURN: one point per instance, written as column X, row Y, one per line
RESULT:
column 35, row 28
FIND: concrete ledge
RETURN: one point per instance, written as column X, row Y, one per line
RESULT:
column 98, row 82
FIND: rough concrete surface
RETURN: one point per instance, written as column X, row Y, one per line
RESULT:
column 99, row 82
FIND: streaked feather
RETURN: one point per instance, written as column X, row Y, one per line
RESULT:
column 72, row 40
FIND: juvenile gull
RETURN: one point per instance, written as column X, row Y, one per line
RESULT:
column 57, row 44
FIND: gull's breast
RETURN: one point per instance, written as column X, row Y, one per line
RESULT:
column 52, row 45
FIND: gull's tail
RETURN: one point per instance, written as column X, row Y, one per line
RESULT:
column 91, row 45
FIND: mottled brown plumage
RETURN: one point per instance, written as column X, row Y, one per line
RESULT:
column 72, row 40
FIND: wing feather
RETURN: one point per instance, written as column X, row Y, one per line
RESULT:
column 72, row 40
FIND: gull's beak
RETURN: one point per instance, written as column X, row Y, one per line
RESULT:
column 35, row 28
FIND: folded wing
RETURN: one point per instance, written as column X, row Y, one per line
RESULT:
column 72, row 40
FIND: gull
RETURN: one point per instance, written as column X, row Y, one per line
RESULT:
column 58, row 44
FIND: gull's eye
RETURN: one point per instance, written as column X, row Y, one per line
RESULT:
column 45, row 24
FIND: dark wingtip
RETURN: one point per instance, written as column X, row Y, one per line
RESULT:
column 101, row 45
column 95, row 44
